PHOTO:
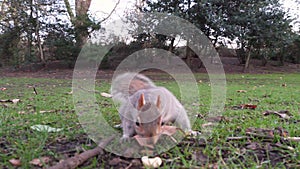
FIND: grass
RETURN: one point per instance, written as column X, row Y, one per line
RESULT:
column 53, row 106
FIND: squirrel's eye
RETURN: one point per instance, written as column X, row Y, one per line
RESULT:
column 137, row 123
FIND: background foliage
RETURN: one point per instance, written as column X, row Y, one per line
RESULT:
column 45, row 30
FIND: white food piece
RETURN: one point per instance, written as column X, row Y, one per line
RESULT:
column 106, row 95
column 151, row 162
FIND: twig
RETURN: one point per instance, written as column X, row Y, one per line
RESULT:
column 110, row 12
column 259, row 135
column 129, row 166
column 295, row 139
column 34, row 89
column 79, row 159
column 237, row 138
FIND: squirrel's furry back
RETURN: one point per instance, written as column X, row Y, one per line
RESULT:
column 126, row 84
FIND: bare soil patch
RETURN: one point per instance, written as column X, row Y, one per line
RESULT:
column 59, row 70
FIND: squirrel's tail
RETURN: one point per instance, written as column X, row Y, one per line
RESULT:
column 125, row 85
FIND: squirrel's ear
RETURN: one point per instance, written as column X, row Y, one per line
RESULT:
column 158, row 102
column 141, row 101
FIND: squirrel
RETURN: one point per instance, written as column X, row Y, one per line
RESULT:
column 145, row 107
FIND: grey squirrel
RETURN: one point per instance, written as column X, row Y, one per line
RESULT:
column 145, row 107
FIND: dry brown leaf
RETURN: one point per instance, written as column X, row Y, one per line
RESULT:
column 244, row 106
column 115, row 161
column 168, row 130
column 143, row 141
column 165, row 130
column 217, row 119
column 284, row 114
column 40, row 161
column 15, row 162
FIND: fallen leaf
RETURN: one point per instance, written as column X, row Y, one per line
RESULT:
column 45, row 128
column 144, row 141
column 15, row 101
column 3, row 88
column 267, row 133
column 10, row 101
column 169, row 130
column 284, row 114
column 40, row 161
column 4, row 105
column 15, row 162
column 208, row 124
column 47, row 111
column 249, row 106
column 115, row 161
column 245, row 106
column 151, row 162
column 106, row 95
column 217, row 119
column 118, row 126
column 21, row 112
column 165, row 130
column 197, row 104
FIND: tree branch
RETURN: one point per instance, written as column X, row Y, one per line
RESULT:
column 69, row 10
column 110, row 12
column 79, row 159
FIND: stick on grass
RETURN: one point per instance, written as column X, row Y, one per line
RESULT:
column 79, row 159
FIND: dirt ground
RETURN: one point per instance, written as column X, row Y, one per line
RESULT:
column 58, row 70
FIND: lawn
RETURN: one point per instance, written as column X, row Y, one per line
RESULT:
column 242, row 136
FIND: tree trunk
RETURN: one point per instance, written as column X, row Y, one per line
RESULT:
column 188, row 55
column 171, row 47
column 81, row 23
column 248, row 59
column 37, row 32
column 281, row 58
